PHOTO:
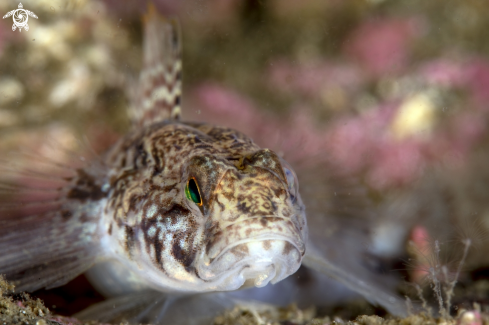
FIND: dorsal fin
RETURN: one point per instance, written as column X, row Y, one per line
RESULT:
column 157, row 96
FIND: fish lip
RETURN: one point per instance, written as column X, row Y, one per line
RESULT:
column 261, row 237
column 276, row 267
column 296, row 234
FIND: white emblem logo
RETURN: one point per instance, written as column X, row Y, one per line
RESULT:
column 21, row 16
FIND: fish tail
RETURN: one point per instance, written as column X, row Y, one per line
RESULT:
column 157, row 96
column 48, row 223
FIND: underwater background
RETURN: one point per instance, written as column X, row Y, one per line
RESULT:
column 394, row 94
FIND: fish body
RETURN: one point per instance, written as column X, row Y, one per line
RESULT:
column 176, row 207
column 184, row 207
column 250, row 224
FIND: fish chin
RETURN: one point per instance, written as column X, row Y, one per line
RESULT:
column 252, row 262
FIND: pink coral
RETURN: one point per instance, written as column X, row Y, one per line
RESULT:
column 294, row 136
column 444, row 72
column 356, row 144
column 381, row 46
column 420, row 241
column 396, row 164
column 312, row 78
column 224, row 104
column 478, row 80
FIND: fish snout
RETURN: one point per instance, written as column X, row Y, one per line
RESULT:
column 247, row 254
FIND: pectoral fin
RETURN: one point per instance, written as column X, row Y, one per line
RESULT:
column 48, row 223
column 158, row 308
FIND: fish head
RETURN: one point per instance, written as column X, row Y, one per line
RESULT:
column 255, row 225
column 224, row 215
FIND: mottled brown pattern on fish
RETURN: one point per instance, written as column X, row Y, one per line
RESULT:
column 181, row 206
column 151, row 224
column 85, row 188
column 154, row 164
column 156, row 97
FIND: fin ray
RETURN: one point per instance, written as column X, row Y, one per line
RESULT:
column 46, row 237
column 158, row 308
column 340, row 219
column 157, row 95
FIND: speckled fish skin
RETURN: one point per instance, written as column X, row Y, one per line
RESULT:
column 130, row 205
column 250, row 226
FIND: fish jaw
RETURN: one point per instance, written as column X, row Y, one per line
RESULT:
column 252, row 250
column 254, row 261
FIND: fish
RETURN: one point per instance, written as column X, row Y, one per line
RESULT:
column 177, row 214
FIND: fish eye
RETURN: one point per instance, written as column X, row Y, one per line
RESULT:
column 290, row 178
column 192, row 191
column 293, row 184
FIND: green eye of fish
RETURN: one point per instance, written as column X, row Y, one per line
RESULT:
column 192, row 191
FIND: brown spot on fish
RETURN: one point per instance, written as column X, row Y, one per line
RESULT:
column 129, row 240
column 140, row 159
column 266, row 245
column 66, row 214
column 177, row 211
column 84, row 218
column 221, row 206
column 185, row 258
column 85, row 188
column 288, row 248
column 159, row 163
column 133, row 200
column 228, row 195
column 212, row 241
column 243, row 207
column 278, row 191
column 158, row 247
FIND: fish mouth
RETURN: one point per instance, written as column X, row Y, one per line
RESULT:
column 255, row 261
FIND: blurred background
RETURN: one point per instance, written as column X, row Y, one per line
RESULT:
column 393, row 94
